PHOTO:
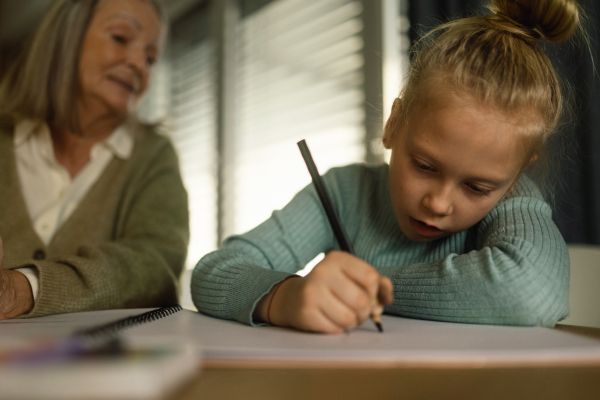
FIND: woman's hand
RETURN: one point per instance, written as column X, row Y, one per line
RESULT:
column 15, row 291
column 340, row 293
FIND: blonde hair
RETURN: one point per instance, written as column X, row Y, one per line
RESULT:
column 43, row 84
column 495, row 60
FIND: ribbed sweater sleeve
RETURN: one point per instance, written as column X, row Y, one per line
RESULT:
column 512, row 268
column 228, row 283
column 518, row 276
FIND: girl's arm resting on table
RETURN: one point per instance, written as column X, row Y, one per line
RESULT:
column 230, row 282
column 335, row 296
column 518, row 276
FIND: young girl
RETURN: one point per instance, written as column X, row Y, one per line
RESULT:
column 451, row 230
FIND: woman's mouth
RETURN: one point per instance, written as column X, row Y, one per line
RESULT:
column 124, row 84
column 423, row 229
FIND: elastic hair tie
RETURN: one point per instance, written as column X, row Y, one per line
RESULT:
column 509, row 19
column 535, row 34
column 506, row 17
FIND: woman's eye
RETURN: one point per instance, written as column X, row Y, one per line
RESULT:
column 478, row 189
column 151, row 61
column 119, row 39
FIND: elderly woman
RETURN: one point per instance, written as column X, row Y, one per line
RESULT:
column 93, row 212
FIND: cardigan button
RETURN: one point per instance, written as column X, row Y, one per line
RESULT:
column 39, row 255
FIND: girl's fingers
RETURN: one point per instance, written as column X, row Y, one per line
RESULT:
column 339, row 312
column 354, row 297
column 386, row 290
column 321, row 320
column 340, row 293
column 363, row 275
column 322, row 323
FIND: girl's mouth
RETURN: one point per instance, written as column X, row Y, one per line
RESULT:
column 423, row 229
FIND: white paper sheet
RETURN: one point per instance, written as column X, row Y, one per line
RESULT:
column 405, row 341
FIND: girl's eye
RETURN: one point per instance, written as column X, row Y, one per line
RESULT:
column 150, row 61
column 422, row 166
column 478, row 190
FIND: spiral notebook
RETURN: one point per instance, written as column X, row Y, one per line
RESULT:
column 85, row 355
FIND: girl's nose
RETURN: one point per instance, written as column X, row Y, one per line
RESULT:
column 439, row 201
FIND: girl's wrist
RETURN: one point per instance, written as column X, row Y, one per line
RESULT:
column 274, row 311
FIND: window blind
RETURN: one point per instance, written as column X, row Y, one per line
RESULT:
column 192, row 108
column 298, row 72
column 298, row 77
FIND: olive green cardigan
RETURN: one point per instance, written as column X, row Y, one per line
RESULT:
column 123, row 247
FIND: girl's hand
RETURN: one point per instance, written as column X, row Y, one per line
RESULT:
column 15, row 292
column 340, row 293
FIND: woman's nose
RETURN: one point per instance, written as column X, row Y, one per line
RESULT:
column 138, row 60
column 439, row 201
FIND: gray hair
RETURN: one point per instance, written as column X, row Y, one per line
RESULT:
column 43, row 83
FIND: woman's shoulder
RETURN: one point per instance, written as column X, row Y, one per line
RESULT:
column 7, row 129
column 148, row 134
column 150, row 140
column 152, row 151
column 7, row 125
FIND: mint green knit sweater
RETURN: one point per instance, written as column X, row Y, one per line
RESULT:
column 512, row 268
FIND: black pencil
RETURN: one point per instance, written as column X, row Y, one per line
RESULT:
column 332, row 215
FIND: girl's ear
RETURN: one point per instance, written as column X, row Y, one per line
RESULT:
column 388, row 131
column 532, row 159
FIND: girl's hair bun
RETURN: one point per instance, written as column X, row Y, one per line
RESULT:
column 554, row 20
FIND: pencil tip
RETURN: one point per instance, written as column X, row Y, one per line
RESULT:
column 379, row 327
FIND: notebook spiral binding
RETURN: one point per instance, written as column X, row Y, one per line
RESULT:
column 112, row 328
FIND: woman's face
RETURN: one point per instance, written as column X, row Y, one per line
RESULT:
column 450, row 165
column 121, row 44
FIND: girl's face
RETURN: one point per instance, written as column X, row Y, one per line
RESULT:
column 120, row 46
column 450, row 165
